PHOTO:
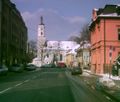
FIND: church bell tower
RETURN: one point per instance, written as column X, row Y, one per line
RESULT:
column 41, row 40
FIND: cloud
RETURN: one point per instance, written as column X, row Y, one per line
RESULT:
column 57, row 27
column 75, row 19
column 40, row 12
column 27, row 16
column 20, row 0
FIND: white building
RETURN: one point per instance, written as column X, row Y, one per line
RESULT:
column 60, row 49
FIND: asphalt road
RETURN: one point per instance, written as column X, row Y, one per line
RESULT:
column 47, row 85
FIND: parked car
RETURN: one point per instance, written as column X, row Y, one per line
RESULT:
column 76, row 70
column 30, row 67
column 16, row 68
column 48, row 66
column 3, row 70
column 61, row 65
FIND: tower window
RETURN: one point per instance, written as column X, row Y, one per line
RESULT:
column 41, row 33
column 118, row 34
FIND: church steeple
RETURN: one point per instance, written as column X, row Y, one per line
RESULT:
column 41, row 20
column 41, row 39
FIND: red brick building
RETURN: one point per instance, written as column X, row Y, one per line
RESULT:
column 105, row 38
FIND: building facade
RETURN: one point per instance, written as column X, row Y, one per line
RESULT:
column 69, row 60
column 83, row 55
column 50, row 51
column 105, row 38
column 13, row 34
column 60, row 49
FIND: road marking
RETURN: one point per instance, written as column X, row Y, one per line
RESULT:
column 34, row 77
column 87, row 82
column 93, row 87
column 9, row 88
column 18, row 84
column 26, row 80
column 49, row 72
column 5, row 90
column 108, row 97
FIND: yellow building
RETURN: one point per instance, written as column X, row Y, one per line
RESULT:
column 69, row 59
column 83, row 55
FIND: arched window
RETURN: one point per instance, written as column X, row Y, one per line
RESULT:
column 41, row 33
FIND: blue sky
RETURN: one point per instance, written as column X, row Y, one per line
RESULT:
column 62, row 18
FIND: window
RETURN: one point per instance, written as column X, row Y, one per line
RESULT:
column 41, row 33
column 118, row 53
column 60, row 57
column 119, row 34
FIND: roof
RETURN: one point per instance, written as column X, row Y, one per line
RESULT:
column 65, row 45
column 109, row 11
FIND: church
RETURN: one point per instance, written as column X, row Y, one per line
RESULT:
column 50, row 51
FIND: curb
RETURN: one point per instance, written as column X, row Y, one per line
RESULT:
column 111, row 96
column 105, row 92
column 92, row 73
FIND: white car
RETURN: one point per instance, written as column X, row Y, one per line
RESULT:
column 30, row 67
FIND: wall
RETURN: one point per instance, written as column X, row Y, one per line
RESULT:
column 107, row 30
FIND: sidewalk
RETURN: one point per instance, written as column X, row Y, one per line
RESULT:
column 114, row 91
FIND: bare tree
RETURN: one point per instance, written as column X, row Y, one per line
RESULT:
column 83, row 36
column 85, row 33
column 32, row 50
column 75, row 38
column 33, row 45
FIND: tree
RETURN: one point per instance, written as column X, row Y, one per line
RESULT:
column 83, row 36
column 32, row 46
column 75, row 38
column 32, row 50
column 85, row 33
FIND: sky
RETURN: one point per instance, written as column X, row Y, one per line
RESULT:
column 62, row 18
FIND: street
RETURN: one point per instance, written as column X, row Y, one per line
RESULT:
column 47, row 85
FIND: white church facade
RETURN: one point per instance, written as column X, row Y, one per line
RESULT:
column 50, row 51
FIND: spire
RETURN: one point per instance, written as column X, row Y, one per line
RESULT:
column 41, row 20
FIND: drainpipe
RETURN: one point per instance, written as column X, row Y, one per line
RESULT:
column 104, row 45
